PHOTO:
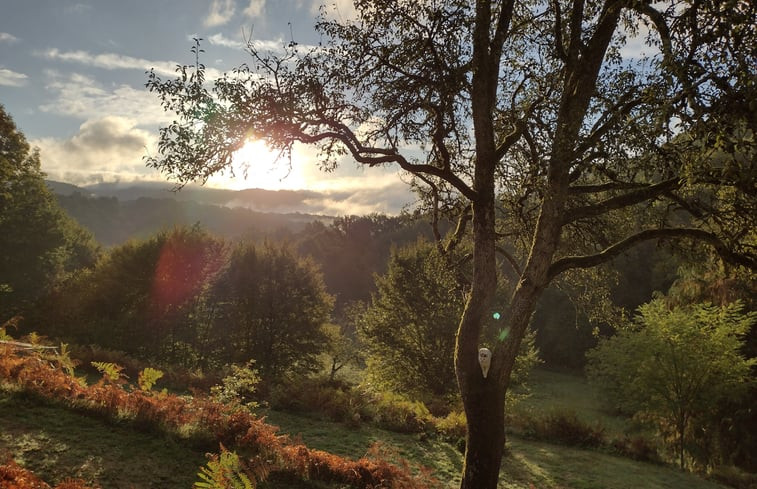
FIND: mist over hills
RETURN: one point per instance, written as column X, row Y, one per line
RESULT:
column 280, row 201
column 116, row 212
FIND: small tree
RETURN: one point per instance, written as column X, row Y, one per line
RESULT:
column 409, row 327
column 270, row 305
column 342, row 347
column 672, row 366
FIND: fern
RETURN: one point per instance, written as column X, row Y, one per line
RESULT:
column 148, row 377
column 65, row 361
column 111, row 372
column 223, row 472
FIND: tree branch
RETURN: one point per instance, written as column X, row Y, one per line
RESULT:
column 462, row 225
column 588, row 261
column 518, row 272
column 358, row 152
column 625, row 200
column 559, row 46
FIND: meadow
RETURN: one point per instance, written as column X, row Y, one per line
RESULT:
column 56, row 443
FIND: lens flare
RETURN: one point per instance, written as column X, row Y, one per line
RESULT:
column 496, row 315
column 503, row 334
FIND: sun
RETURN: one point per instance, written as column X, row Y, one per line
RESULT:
column 263, row 169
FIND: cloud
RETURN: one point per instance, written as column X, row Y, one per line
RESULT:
column 114, row 61
column 79, row 96
column 9, row 38
column 78, row 8
column 254, row 9
column 109, row 61
column 11, row 78
column 221, row 40
column 263, row 45
column 106, row 149
column 390, row 198
column 221, row 11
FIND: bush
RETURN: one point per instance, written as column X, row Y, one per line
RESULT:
column 238, row 388
column 564, row 427
column 334, row 401
column 453, row 426
column 342, row 403
column 637, row 448
column 397, row 413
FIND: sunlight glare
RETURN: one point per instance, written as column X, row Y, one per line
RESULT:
column 262, row 169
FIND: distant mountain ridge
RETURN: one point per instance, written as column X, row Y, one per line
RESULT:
column 280, row 201
column 115, row 213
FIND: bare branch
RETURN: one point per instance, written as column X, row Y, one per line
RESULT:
column 503, row 27
column 605, row 187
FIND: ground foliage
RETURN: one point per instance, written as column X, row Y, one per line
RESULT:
column 198, row 418
column 13, row 476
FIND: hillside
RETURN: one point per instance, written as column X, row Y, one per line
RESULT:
column 115, row 214
column 56, row 443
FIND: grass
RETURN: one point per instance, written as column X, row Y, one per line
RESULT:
column 555, row 391
column 544, row 465
column 56, row 444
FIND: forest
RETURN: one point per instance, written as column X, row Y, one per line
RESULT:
column 576, row 278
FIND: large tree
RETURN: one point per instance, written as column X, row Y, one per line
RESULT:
column 39, row 243
column 534, row 122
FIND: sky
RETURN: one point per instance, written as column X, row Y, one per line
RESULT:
column 72, row 76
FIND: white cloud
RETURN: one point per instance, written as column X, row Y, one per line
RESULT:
column 113, row 61
column 221, row 11
column 387, row 197
column 106, row 149
column 109, row 61
column 11, row 78
column 9, row 38
column 254, row 9
column 79, row 96
column 221, row 40
column 78, row 8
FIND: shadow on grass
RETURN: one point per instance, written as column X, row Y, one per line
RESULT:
column 56, row 444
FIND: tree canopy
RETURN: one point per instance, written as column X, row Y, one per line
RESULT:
column 39, row 243
column 675, row 366
column 535, row 124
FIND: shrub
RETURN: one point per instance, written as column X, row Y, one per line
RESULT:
column 453, row 426
column 637, row 448
column 238, row 388
column 566, row 428
column 397, row 413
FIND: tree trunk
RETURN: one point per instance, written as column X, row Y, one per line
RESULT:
column 485, row 443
